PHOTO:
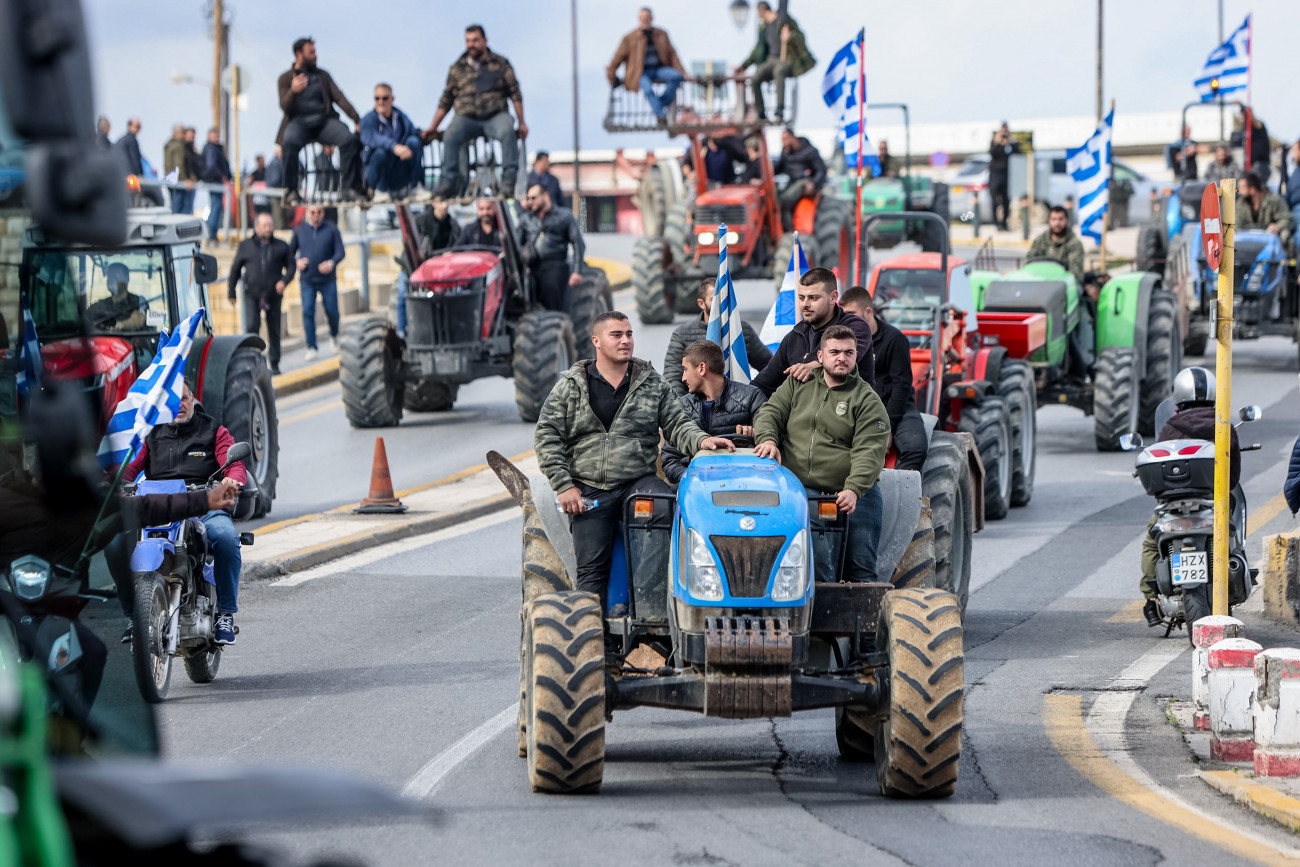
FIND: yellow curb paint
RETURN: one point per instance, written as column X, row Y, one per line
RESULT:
column 305, row 374
column 1261, row 798
column 1063, row 719
column 308, row 413
column 1130, row 613
column 1259, row 518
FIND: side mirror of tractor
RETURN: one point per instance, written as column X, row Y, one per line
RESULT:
column 1251, row 413
column 1130, row 441
column 205, row 269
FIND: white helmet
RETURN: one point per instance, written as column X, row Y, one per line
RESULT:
column 1194, row 386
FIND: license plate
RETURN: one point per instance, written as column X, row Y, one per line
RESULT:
column 1188, row 567
column 959, row 189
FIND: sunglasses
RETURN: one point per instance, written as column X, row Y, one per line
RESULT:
column 383, row 99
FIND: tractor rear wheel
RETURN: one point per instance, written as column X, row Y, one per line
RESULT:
column 1150, row 250
column 990, row 423
column 918, row 744
column 566, row 693
column 1164, row 351
column 831, row 236
column 665, row 196
column 1114, row 403
column 543, row 351
column 1016, row 387
column 370, row 373
column 945, row 481
column 587, row 302
column 677, row 230
column 648, row 281
column 248, row 412
column 427, row 394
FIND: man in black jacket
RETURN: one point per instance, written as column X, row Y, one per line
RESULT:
column 686, row 334
column 801, row 162
column 129, row 147
column 893, row 381
column 719, row 406
column 483, row 232
column 818, row 300
column 551, row 230
column 267, row 267
column 308, row 96
column 216, row 170
column 1000, row 151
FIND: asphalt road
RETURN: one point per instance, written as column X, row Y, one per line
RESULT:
column 400, row 665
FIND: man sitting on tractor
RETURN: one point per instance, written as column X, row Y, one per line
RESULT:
column 839, row 452
column 1060, row 243
column 597, row 441
column 121, row 310
column 720, row 406
column 1260, row 209
column 483, row 232
column 893, row 381
column 803, row 165
column 817, row 297
column 687, row 333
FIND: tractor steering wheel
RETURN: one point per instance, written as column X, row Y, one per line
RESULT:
column 741, row 440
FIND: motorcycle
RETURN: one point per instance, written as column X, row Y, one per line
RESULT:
column 175, row 608
column 1180, row 475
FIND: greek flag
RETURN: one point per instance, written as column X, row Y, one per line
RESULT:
column 29, row 353
column 154, row 398
column 724, row 318
column 1228, row 65
column 785, row 313
column 1090, row 167
column 840, row 92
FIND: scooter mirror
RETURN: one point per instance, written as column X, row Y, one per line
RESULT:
column 237, row 452
column 1251, row 413
column 1129, row 442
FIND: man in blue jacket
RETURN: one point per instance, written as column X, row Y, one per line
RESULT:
column 317, row 249
column 392, row 149
column 216, row 170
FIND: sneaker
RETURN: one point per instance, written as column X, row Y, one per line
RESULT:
column 310, row 354
column 225, row 633
column 127, row 635
column 291, row 199
column 1151, row 611
column 275, row 370
column 334, row 344
column 381, row 197
column 419, row 196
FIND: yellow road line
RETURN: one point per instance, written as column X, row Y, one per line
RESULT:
column 1261, row 516
column 308, row 413
column 1259, row 797
column 1130, row 613
column 1063, row 719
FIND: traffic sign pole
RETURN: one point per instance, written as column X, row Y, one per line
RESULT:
column 1223, row 397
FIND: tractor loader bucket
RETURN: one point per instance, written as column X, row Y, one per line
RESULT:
column 549, row 565
column 900, row 490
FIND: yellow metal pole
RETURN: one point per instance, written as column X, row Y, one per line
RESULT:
column 1223, row 396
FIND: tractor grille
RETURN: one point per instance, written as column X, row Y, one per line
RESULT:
column 451, row 318
column 712, row 215
column 747, row 562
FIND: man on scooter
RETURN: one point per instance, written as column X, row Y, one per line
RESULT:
column 1194, row 397
column 193, row 448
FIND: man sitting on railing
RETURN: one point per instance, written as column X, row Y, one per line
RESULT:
column 479, row 84
column 647, row 56
column 308, row 96
column 779, row 54
column 392, row 150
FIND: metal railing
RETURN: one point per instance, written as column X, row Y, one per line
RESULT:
column 707, row 103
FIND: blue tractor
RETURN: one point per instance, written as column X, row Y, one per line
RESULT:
column 1266, row 299
column 726, row 600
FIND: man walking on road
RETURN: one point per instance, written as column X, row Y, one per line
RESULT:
column 779, row 54
column 720, row 406
column 686, row 334
column 267, row 268
column 308, row 96
column 317, row 249
column 648, row 57
column 1000, row 151
column 551, row 231
column 393, row 149
column 216, row 170
column 597, row 442
column 831, row 431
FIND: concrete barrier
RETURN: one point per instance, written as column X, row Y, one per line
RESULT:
column 1276, row 711
column 1205, row 632
column 1231, row 697
column 1282, row 577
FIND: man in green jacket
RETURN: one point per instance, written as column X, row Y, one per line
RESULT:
column 832, row 432
column 780, row 53
column 597, row 442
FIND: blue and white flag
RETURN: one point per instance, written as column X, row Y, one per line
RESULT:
column 29, row 353
column 724, row 326
column 1090, row 167
column 840, row 86
column 785, row 312
column 1228, row 65
column 154, row 398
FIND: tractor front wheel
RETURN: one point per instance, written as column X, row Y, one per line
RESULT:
column 990, row 423
column 1114, row 403
column 1016, row 387
column 543, row 351
column 648, row 281
column 945, row 481
column 370, row 374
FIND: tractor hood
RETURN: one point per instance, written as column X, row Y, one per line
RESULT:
column 718, row 492
column 458, row 266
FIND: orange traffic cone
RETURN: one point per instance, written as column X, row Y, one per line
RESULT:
column 381, row 499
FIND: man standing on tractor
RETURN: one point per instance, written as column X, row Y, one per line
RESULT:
column 1259, row 208
column 803, row 165
column 893, row 381
column 817, row 297
column 483, row 232
column 779, row 54
column 597, row 441
column 392, row 150
column 479, row 84
column 648, row 57
column 550, row 232
column 886, row 159
column 267, row 267
column 840, row 453
column 686, row 334
column 308, row 96
column 1059, row 243
column 720, row 406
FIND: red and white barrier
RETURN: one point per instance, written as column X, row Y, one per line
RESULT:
column 1231, row 696
column 1277, row 712
column 1205, row 632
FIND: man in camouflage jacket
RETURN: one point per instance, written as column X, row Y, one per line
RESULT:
column 1261, row 210
column 1060, row 243
column 597, row 440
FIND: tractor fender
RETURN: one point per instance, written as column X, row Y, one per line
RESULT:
column 976, row 490
column 149, row 555
column 805, row 215
column 988, row 363
column 207, row 365
column 900, row 492
column 979, row 284
column 1123, row 307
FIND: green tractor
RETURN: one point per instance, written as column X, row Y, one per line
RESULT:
column 1036, row 312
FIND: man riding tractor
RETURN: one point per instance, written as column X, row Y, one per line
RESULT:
column 122, row 310
column 1061, row 244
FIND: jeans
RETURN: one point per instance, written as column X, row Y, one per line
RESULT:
column 863, row 536
column 460, row 133
column 910, row 441
column 593, row 532
column 227, row 560
column 329, row 296
column 1295, row 217
column 775, row 71
column 331, row 131
column 386, row 172
column 182, row 200
column 253, row 307
column 670, row 78
column 401, row 303
column 216, row 209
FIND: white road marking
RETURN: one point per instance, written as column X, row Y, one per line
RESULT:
column 429, row 777
column 374, row 555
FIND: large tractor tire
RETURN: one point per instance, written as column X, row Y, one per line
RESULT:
column 525, row 670
column 1196, row 343
column 648, row 282
column 543, row 351
column 1150, row 250
column 1164, row 358
column 945, row 482
column 370, row 374
column 565, row 725
column 1114, row 396
column 918, row 744
column 588, row 300
column 831, row 235
column 1016, row 387
column 427, row 394
column 916, row 567
column 149, row 657
column 248, row 412
column 855, row 734
column 677, row 230
column 990, row 423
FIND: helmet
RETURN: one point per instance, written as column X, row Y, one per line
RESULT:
column 1194, row 387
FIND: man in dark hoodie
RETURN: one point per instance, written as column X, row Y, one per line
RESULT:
column 801, row 162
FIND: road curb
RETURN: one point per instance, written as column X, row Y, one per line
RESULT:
column 308, row 377
column 1260, row 797
column 618, row 273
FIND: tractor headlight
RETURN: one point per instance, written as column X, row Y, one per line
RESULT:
column 706, row 238
column 792, row 574
column 733, row 237
column 703, row 578
column 28, row 577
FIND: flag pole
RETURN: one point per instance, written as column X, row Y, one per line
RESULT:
column 1110, row 174
column 1250, row 105
column 862, row 134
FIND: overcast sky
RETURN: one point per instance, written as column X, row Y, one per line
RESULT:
column 950, row 60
